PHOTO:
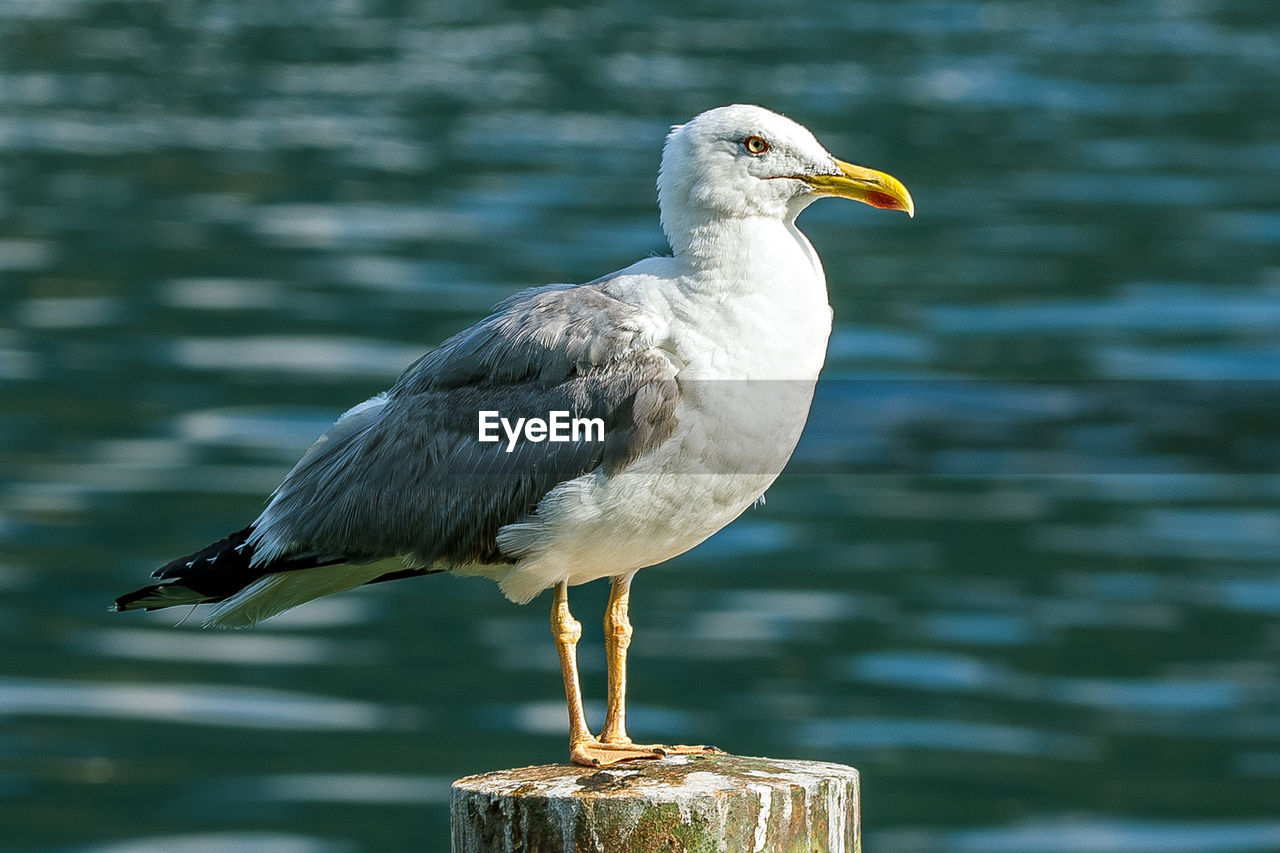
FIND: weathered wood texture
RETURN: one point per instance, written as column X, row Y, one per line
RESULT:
column 681, row 804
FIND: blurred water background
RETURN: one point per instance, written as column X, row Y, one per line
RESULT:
column 1023, row 571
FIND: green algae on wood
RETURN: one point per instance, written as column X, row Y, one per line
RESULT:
column 680, row 804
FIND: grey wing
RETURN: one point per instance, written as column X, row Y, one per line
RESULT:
column 546, row 334
column 406, row 474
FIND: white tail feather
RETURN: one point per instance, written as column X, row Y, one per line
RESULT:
column 279, row 591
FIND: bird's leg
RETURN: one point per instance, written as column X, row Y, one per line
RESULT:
column 567, row 631
column 617, row 637
column 613, row 745
column 583, row 748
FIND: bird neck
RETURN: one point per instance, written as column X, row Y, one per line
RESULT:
column 752, row 300
column 749, row 247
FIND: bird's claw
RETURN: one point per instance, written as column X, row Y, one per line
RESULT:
column 596, row 753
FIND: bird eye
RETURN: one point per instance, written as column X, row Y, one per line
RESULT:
column 755, row 145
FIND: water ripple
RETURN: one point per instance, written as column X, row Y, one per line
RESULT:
column 220, row 842
column 864, row 733
column 379, row 789
column 301, row 356
column 1096, row 834
column 240, row 648
column 192, row 704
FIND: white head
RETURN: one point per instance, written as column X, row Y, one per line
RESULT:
column 745, row 161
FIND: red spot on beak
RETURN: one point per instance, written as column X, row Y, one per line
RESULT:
column 884, row 201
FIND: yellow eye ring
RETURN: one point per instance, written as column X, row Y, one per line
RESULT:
column 755, row 145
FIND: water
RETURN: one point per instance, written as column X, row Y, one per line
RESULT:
column 1022, row 572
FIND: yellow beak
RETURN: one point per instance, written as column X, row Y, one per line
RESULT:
column 865, row 185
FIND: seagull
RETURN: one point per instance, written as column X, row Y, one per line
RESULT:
column 690, row 376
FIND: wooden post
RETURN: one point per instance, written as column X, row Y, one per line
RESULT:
column 680, row 804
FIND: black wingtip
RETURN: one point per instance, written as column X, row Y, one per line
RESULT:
column 125, row 601
column 159, row 595
column 214, row 573
column 227, row 552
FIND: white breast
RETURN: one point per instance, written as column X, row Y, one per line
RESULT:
column 750, row 346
